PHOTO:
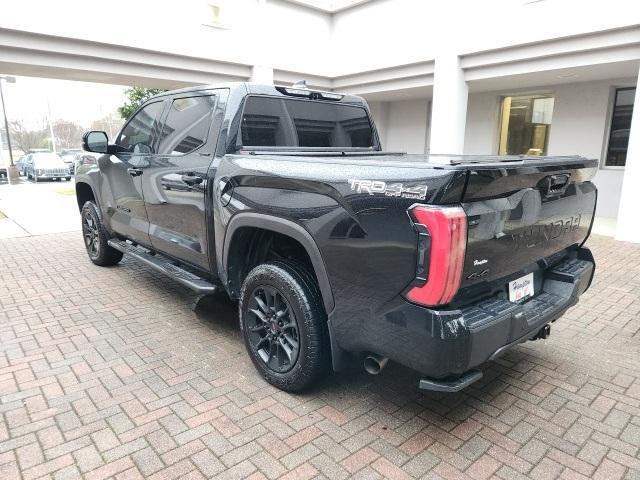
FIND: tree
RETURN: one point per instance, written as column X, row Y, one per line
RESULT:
column 136, row 96
column 109, row 123
column 26, row 139
column 67, row 133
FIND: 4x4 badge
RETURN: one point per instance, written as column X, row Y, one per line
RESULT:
column 418, row 192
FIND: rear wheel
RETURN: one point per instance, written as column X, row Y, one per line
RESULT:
column 96, row 237
column 284, row 325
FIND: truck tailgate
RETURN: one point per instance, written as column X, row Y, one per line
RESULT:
column 522, row 215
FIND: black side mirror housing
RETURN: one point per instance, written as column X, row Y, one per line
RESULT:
column 95, row 141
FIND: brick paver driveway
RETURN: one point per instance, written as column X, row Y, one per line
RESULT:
column 108, row 372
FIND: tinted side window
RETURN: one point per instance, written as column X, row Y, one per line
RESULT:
column 187, row 125
column 140, row 133
column 280, row 122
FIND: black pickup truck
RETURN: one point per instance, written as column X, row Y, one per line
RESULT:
column 284, row 198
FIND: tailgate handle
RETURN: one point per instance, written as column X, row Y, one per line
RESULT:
column 556, row 184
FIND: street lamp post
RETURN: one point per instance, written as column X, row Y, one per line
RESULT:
column 12, row 172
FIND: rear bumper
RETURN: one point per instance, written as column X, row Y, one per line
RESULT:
column 446, row 344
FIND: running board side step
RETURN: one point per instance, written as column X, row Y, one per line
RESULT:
column 450, row 385
column 164, row 265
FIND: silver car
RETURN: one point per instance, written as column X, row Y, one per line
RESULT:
column 42, row 166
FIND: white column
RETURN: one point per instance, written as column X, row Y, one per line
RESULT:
column 262, row 74
column 262, row 58
column 449, row 105
column 628, row 228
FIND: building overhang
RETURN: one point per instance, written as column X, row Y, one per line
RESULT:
column 329, row 6
column 564, row 57
column 612, row 53
column 43, row 55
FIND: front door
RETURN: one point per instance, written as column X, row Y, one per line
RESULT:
column 175, row 182
column 124, row 172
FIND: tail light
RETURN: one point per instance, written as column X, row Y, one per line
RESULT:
column 446, row 241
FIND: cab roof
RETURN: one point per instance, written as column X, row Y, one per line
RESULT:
column 254, row 89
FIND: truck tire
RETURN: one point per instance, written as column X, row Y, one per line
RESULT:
column 284, row 325
column 95, row 237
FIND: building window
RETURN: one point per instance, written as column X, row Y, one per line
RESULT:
column 620, row 125
column 525, row 124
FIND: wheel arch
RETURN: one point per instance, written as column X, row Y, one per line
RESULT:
column 85, row 193
column 283, row 227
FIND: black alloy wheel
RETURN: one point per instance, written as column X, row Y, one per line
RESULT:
column 284, row 325
column 96, row 237
column 90, row 233
column 273, row 329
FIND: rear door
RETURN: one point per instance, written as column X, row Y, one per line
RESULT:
column 175, row 182
column 124, row 172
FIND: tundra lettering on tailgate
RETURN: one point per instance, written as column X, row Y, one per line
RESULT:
column 535, row 234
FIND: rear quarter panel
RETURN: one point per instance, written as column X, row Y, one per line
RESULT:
column 367, row 241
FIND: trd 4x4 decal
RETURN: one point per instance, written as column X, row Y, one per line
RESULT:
column 418, row 192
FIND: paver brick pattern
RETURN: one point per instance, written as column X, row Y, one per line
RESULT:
column 111, row 373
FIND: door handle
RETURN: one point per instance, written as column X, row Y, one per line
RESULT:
column 191, row 179
column 134, row 172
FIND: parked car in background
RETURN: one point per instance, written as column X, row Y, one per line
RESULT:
column 68, row 156
column 83, row 158
column 21, row 164
column 46, row 165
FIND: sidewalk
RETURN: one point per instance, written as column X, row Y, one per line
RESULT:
column 38, row 209
column 10, row 229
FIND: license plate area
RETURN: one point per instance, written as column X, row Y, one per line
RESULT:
column 521, row 288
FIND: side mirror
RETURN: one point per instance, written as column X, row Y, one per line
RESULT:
column 95, row 141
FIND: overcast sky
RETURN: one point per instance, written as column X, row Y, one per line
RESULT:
column 80, row 102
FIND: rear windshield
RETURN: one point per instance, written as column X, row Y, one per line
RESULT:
column 287, row 122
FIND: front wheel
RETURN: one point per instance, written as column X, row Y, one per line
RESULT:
column 68, row 179
column 96, row 237
column 284, row 325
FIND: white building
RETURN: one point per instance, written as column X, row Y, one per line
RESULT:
column 476, row 77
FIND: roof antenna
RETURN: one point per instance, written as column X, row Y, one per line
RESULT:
column 300, row 84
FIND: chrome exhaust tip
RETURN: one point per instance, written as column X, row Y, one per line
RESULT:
column 373, row 363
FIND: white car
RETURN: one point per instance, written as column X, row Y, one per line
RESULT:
column 42, row 166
